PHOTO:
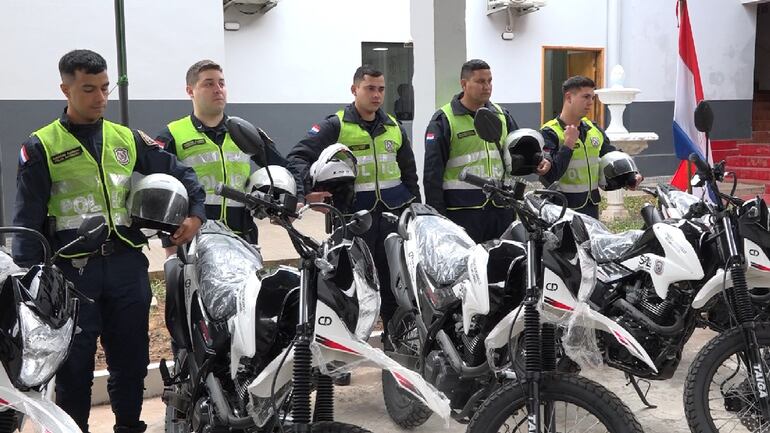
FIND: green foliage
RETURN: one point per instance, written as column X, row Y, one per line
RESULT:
column 634, row 205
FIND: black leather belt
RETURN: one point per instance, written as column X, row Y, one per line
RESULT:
column 111, row 246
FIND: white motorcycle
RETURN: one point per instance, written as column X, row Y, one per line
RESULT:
column 252, row 345
column 38, row 320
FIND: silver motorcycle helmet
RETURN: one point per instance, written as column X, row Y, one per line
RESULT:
column 523, row 151
column 283, row 181
column 158, row 202
column 617, row 170
column 335, row 171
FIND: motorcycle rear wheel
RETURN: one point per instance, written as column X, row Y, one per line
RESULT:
column 404, row 410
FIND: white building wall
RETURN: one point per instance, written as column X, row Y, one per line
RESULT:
column 649, row 38
column 305, row 51
column 163, row 38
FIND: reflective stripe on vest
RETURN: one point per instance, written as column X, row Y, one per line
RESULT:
column 468, row 151
column 213, row 164
column 376, row 161
column 81, row 187
column 582, row 175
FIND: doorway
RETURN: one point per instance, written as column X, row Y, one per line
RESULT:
column 560, row 63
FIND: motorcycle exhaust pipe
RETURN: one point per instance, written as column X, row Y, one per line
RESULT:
column 456, row 362
column 668, row 331
column 224, row 413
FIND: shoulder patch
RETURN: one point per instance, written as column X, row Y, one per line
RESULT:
column 147, row 139
column 23, row 155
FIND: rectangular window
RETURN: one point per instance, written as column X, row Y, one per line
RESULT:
column 396, row 61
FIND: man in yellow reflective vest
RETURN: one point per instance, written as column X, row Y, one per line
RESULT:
column 81, row 165
column 451, row 146
column 387, row 173
column 201, row 141
column 575, row 145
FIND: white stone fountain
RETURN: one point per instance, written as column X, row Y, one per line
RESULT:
column 616, row 97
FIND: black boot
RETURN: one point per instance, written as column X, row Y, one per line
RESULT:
column 140, row 427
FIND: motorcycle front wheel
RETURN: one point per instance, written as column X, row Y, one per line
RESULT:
column 577, row 405
column 718, row 395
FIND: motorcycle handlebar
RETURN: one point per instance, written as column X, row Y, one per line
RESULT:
column 473, row 179
column 703, row 167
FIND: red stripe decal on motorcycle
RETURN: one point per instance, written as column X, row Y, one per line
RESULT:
column 558, row 305
column 334, row 345
column 760, row 267
column 622, row 339
column 406, row 383
column 4, row 402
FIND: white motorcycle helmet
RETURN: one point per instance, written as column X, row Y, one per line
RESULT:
column 335, row 171
column 283, row 181
column 617, row 170
column 158, row 201
column 523, row 151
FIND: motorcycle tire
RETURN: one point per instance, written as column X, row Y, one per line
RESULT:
column 511, row 399
column 701, row 374
column 332, row 427
column 406, row 411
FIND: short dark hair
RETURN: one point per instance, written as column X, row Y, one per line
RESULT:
column 81, row 60
column 198, row 67
column 472, row 65
column 365, row 70
column 577, row 82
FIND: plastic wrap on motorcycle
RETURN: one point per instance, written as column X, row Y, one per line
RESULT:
column 40, row 410
column 225, row 262
column 605, row 245
column 7, row 267
column 443, row 248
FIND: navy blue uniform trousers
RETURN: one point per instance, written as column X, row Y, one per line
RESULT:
column 120, row 287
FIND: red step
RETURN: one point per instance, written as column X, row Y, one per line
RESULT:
column 765, row 197
column 723, row 144
column 753, row 161
column 767, row 189
column 749, row 149
column 751, row 174
column 761, row 136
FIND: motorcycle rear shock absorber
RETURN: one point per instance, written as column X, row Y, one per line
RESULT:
column 324, row 399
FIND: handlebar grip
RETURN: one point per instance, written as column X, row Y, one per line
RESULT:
column 701, row 165
column 473, row 179
column 233, row 194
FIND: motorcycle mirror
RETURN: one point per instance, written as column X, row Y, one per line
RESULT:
column 696, row 181
column 487, row 125
column 247, row 138
column 704, row 117
column 360, row 222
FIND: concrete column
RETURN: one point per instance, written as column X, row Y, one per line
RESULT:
column 438, row 35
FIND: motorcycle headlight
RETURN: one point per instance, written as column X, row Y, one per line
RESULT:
column 44, row 348
column 368, row 303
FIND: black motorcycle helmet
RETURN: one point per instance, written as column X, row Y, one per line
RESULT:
column 617, row 170
column 523, row 151
column 38, row 318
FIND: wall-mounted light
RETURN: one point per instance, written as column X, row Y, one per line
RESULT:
column 232, row 26
column 380, row 49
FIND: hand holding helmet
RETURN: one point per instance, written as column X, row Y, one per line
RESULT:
column 333, row 176
column 523, row 153
column 618, row 170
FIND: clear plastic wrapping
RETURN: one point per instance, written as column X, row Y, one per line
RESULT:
column 605, row 245
column 443, row 247
column 7, row 266
column 224, row 264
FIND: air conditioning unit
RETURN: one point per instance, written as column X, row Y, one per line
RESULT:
column 250, row 7
column 519, row 7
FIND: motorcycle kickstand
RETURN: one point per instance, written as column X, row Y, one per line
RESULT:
column 642, row 395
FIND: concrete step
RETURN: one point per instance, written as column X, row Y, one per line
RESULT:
column 753, row 161
column 751, row 149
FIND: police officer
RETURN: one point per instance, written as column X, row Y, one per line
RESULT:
column 451, row 146
column 387, row 173
column 575, row 145
column 201, row 141
column 81, row 164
